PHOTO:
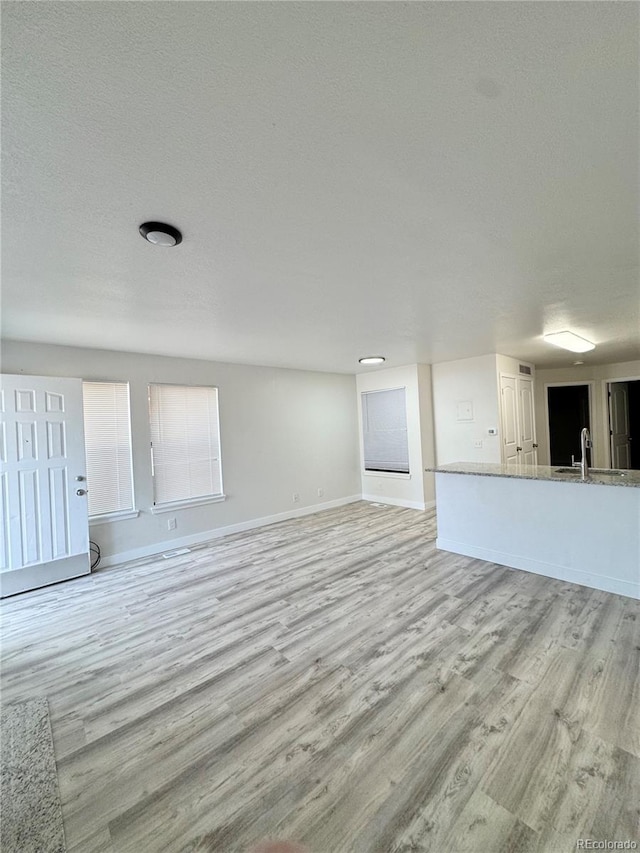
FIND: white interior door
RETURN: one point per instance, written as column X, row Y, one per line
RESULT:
column 509, row 418
column 527, row 421
column 45, row 529
column 619, row 425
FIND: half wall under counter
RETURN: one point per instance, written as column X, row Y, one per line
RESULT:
column 534, row 517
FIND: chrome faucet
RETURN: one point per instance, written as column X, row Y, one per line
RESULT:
column 585, row 444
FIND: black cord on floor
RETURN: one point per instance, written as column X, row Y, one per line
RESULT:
column 94, row 548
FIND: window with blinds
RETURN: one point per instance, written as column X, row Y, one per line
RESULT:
column 185, row 443
column 107, row 431
column 384, row 431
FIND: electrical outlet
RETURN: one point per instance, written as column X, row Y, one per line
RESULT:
column 296, row 497
column 478, row 444
column 171, row 524
column 320, row 493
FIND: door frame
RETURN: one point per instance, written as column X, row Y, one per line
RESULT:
column 52, row 564
column 590, row 383
column 607, row 414
column 505, row 374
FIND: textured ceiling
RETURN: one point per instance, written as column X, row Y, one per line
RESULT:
column 426, row 180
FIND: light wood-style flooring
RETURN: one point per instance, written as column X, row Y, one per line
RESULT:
column 337, row 681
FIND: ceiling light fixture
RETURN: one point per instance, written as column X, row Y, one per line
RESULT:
column 371, row 359
column 160, row 234
column 567, row 340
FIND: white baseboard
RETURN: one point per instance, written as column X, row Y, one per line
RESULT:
column 538, row 567
column 216, row 533
column 380, row 499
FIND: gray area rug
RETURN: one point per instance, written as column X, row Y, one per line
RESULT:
column 29, row 797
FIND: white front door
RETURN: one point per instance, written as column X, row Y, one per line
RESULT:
column 45, row 529
column 509, row 417
column 619, row 425
column 526, row 421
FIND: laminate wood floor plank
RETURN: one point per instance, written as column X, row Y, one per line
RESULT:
column 337, row 680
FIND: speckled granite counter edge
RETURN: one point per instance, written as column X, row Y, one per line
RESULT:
column 544, row 473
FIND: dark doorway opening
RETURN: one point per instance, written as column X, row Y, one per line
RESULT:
column 634, row 423
column 568, row 414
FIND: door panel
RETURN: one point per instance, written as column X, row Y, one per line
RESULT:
column 518, row 420
column 526, row 420
column 619, row 424
column 509, row 417
column 45, row 531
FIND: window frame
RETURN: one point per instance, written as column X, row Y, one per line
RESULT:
column 120, row 514
column 198, row 500
column 370, row 472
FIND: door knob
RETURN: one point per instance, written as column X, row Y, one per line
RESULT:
column 81, row 492
column 518, row 448
column 535, row 445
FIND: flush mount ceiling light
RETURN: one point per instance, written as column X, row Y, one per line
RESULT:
column 567, row 340
column 371, row 359
column 160, row 234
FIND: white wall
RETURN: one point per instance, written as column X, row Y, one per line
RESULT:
column 598, row 376
column 506, row 364
column 417, row 489
column 282, row 431
column 581, row 533
column 467, row 380
column 425, row 393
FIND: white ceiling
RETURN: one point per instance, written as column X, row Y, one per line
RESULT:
column 427, row 181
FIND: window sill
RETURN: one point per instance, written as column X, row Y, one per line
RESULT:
column 169, row 507
column 394, row 475
column 109, row 517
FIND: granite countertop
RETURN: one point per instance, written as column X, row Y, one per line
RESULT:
column 597, row 477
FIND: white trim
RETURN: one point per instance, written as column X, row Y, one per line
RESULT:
column 539, row 567
column 394, row 475
column 590, row 383
column 108, row 517
column 157, row 548
column 157, row 509
column 380, row 390
column 381, row 499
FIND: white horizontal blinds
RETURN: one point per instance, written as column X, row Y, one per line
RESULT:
column 384, row 426
column 185, row 442
column 107, row 431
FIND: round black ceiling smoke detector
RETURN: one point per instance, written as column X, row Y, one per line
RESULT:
column 161, row 234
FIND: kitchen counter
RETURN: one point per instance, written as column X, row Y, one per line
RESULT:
column 518, row 516
column 556, row 473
